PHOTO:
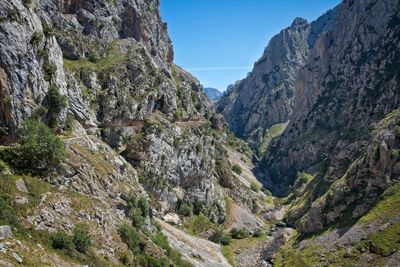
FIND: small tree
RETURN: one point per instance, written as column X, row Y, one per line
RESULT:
column 40, row 150
column 81, row 238
column 56, row 103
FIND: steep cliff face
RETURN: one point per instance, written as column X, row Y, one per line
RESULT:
column 137, row 129
column 349, row 85
column 265, row 97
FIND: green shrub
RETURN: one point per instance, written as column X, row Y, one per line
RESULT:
column 198, row 224
column 178, row 115
column 13, row 14
column 126, row 258
column 61, row 240
column 266, row 191
column 26, row 3
column 239, row 233
column 237, row 169
column 3, row 166
column 47, row 29
column 131, row 237
column 69, row 122
column 185, row 209
column 36, row 38
column 81, row 238
column 136, row 210
column 197, row 106
column 5, row 205
column 217, row 235
column 50, row 70
column 144, row 206
column 197, row 206
column 137, row 218
column 397, row 131
column 225, row 239
column 395, row 153
column 39, row 113
column 255, row 187
column 303, row 177
column 258, row 232
column 56, row 103
column 40, row 151
column 161, row 240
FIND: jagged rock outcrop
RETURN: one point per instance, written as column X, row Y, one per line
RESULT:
column 100, row 74
column 97, row 53
column 349, row 85
column 265, row 97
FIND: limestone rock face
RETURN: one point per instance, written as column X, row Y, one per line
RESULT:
column 338, row 131
column 113, row 60
column 265, row 97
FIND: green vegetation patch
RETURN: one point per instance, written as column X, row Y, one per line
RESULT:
column 198, row 224
column 387, row 206
column 308, row 256
column 387, row 241
column 239, row 145
column 273, row 132
column 236, row 169
column 40, row 151
column 114, row 59
column 239, row 245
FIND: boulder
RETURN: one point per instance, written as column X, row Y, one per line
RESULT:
column 5, row 232
column 172, row 218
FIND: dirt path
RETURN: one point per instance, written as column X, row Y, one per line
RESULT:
column 199, row 252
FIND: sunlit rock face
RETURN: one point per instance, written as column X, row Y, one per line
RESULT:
column 338, row 124
column 266, row 96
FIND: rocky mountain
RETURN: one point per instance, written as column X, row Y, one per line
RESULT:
column 213, row 94
column 102, row 136
column 111, row 155
column 337, row 159
column 265, row 97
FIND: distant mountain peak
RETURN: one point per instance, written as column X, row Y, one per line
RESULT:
column 212, row 93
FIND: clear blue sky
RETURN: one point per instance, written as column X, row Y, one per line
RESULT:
column 218, row 41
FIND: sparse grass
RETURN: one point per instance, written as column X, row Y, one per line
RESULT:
column 387, row 206
column 236, row 169
column 387, row 241
column 255, row 187
column 113, row 59
column 197, row 224
column 238, row 144
column 273, row 132
column 240, row 245
column 97, row 160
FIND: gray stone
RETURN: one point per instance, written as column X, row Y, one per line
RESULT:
column 17, row 257
column 4, row 263
column 21, row 186
column 5, row 232
column 172, row 218
column 3, row 247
